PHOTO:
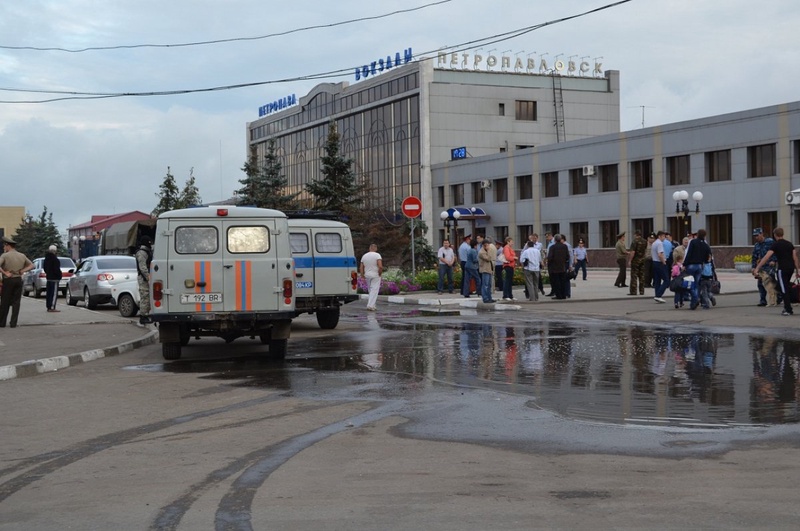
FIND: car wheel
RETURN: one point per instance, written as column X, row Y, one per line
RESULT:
column 72, row 301
column 328, row 318
column 126, row 305
column 90, row 303
column 37, row 293
column 171, row 351
column 25, row 290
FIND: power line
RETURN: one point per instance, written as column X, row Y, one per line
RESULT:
column 220, row 41
column 485, row 41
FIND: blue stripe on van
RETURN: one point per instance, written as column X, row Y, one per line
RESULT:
column 326, row 261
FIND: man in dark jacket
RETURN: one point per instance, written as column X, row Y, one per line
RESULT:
column 557, row 259
column 697, row 253
column 52, row 270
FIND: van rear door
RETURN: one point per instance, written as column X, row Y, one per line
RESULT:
column 333, row 262
column 195, row 273
column 250, row 264
column 303, row 255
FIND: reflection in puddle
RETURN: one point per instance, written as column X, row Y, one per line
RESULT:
column 628, row 375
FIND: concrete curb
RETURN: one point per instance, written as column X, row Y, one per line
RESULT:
column 471, row 303
column 45, row 365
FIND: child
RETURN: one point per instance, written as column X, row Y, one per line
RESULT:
column 706, row 276
column 677, row 269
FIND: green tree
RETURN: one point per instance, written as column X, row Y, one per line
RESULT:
column 338, row 190
column 35, row 235
column 190, row 195
column 168, row 195
column 264, row 185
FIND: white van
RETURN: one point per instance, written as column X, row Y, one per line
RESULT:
column 225, row 272
column 326, row 274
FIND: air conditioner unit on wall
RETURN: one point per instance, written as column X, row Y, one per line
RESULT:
column 486, row 183
column 793, row 197
column 588, row 171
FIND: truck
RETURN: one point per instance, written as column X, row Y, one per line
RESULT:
column 123, row 237
column 225, row 272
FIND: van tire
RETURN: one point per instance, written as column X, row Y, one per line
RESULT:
column 265, row 337
column 278, row 347
column 171, row 351
column 328, row 318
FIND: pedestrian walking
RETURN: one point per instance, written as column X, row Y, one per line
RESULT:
column 787, row 264
column 371, row 269
column 52, row 271
column 581, row 257
column 12, row 265
column 697, row 254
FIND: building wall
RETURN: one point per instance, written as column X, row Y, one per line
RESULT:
column 743, row 198
column 10, row 219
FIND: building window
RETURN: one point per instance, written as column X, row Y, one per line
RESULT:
column 550, row 184
column 501, row 109
column 478, row 192
column 718, row 166
column 500, row 187
column 523, row 231
column 525, row 110
column 796, row 156
column 457, row 191
column 761, row 161
column 765, row 221
column 578, row 182
column 608, row 232
column 678, row 170
column 642, row 174
column 720, row 229
column 440, row 195
column 579, row 231
column 609, row 178
column 678, row 227
column 552, row 228
column 500, row 233
column 524, row 187
column 644, row 225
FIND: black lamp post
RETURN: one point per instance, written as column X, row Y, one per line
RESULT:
column 681, row 199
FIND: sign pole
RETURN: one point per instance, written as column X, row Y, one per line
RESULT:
column 412, row 208
column 413, row 258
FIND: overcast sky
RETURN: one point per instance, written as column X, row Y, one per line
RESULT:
column 680, row 59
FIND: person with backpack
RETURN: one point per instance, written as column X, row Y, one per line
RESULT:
column 144, row 255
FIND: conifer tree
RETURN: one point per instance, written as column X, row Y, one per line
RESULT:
column 190, row 195
column 168, row 195
column 265, row 186
column 337, row 190
column 35, row 235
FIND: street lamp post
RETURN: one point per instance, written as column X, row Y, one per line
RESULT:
column 681, row 199
column 451, row 214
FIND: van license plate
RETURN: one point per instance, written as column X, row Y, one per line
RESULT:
column 201, row 298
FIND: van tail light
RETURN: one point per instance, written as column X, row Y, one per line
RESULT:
column 354, row 280
column 287, row 290
column 158, row 293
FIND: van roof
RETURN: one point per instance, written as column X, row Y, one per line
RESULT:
column 318, row 223
column 232, row 212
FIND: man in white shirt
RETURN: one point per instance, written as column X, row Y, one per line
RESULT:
column 531, row 259
column 371, row 270
column 660, row 269
column 446, row 260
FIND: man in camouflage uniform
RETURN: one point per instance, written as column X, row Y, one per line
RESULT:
column 762, row 245
column 143, row 257
column 637, row 252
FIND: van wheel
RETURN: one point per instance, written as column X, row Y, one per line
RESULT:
column 328, row 318
column 278, row 347
column 171, row 351
column 230, row 338
column 265, row 337
column 126, row 305
column 72, row 301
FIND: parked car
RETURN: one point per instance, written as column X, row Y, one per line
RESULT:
column 126, row 296
column 35, row 281
column 95, row 278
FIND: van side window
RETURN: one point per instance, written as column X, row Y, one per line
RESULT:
column 298, row 242
column 196, row 240
column 248, row 240
column 328, row 242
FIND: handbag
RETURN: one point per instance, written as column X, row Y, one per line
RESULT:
column 681, row 283
column 715, row 284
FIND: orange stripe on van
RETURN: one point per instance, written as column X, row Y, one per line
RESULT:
column 244, row 299
column 202, row 274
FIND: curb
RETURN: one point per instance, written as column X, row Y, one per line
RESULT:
column 474, row 304
column 45, row 365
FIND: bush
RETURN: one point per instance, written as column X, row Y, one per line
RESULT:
column 743, row 258
column 393, row 281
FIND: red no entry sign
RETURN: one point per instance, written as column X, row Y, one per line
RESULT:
column 411, row 207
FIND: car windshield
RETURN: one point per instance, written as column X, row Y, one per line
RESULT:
column 128, row 262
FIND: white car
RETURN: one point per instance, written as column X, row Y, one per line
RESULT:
column 126, row 297
column 96, row 276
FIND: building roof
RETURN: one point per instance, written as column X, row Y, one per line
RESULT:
column 101, row 221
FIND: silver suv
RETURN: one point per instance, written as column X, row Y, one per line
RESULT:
column 35, row 281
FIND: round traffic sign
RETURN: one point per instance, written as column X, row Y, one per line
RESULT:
column 411, row 207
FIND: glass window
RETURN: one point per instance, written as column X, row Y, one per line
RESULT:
column 248, row 239
column 550, row 184
column 478, row 192
column 328, row 242
column 718, row 166
column 525, row 187
column 457, row 191
column 645, row 225
column 720, row 229
column 298, row 242
column 579, row 231
column 642, row 174
column 578, row 183
column 608, row 232
column 765, row 221
column 501, row 190
column 128, row 262
column 523, row 231
column 500, row 233
column 525, row 110
column 196, row 240
column 502, row 109
column 609, row 178
column 795, row 156
column 678, row 170
column 761, row 161
column 552, row 228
